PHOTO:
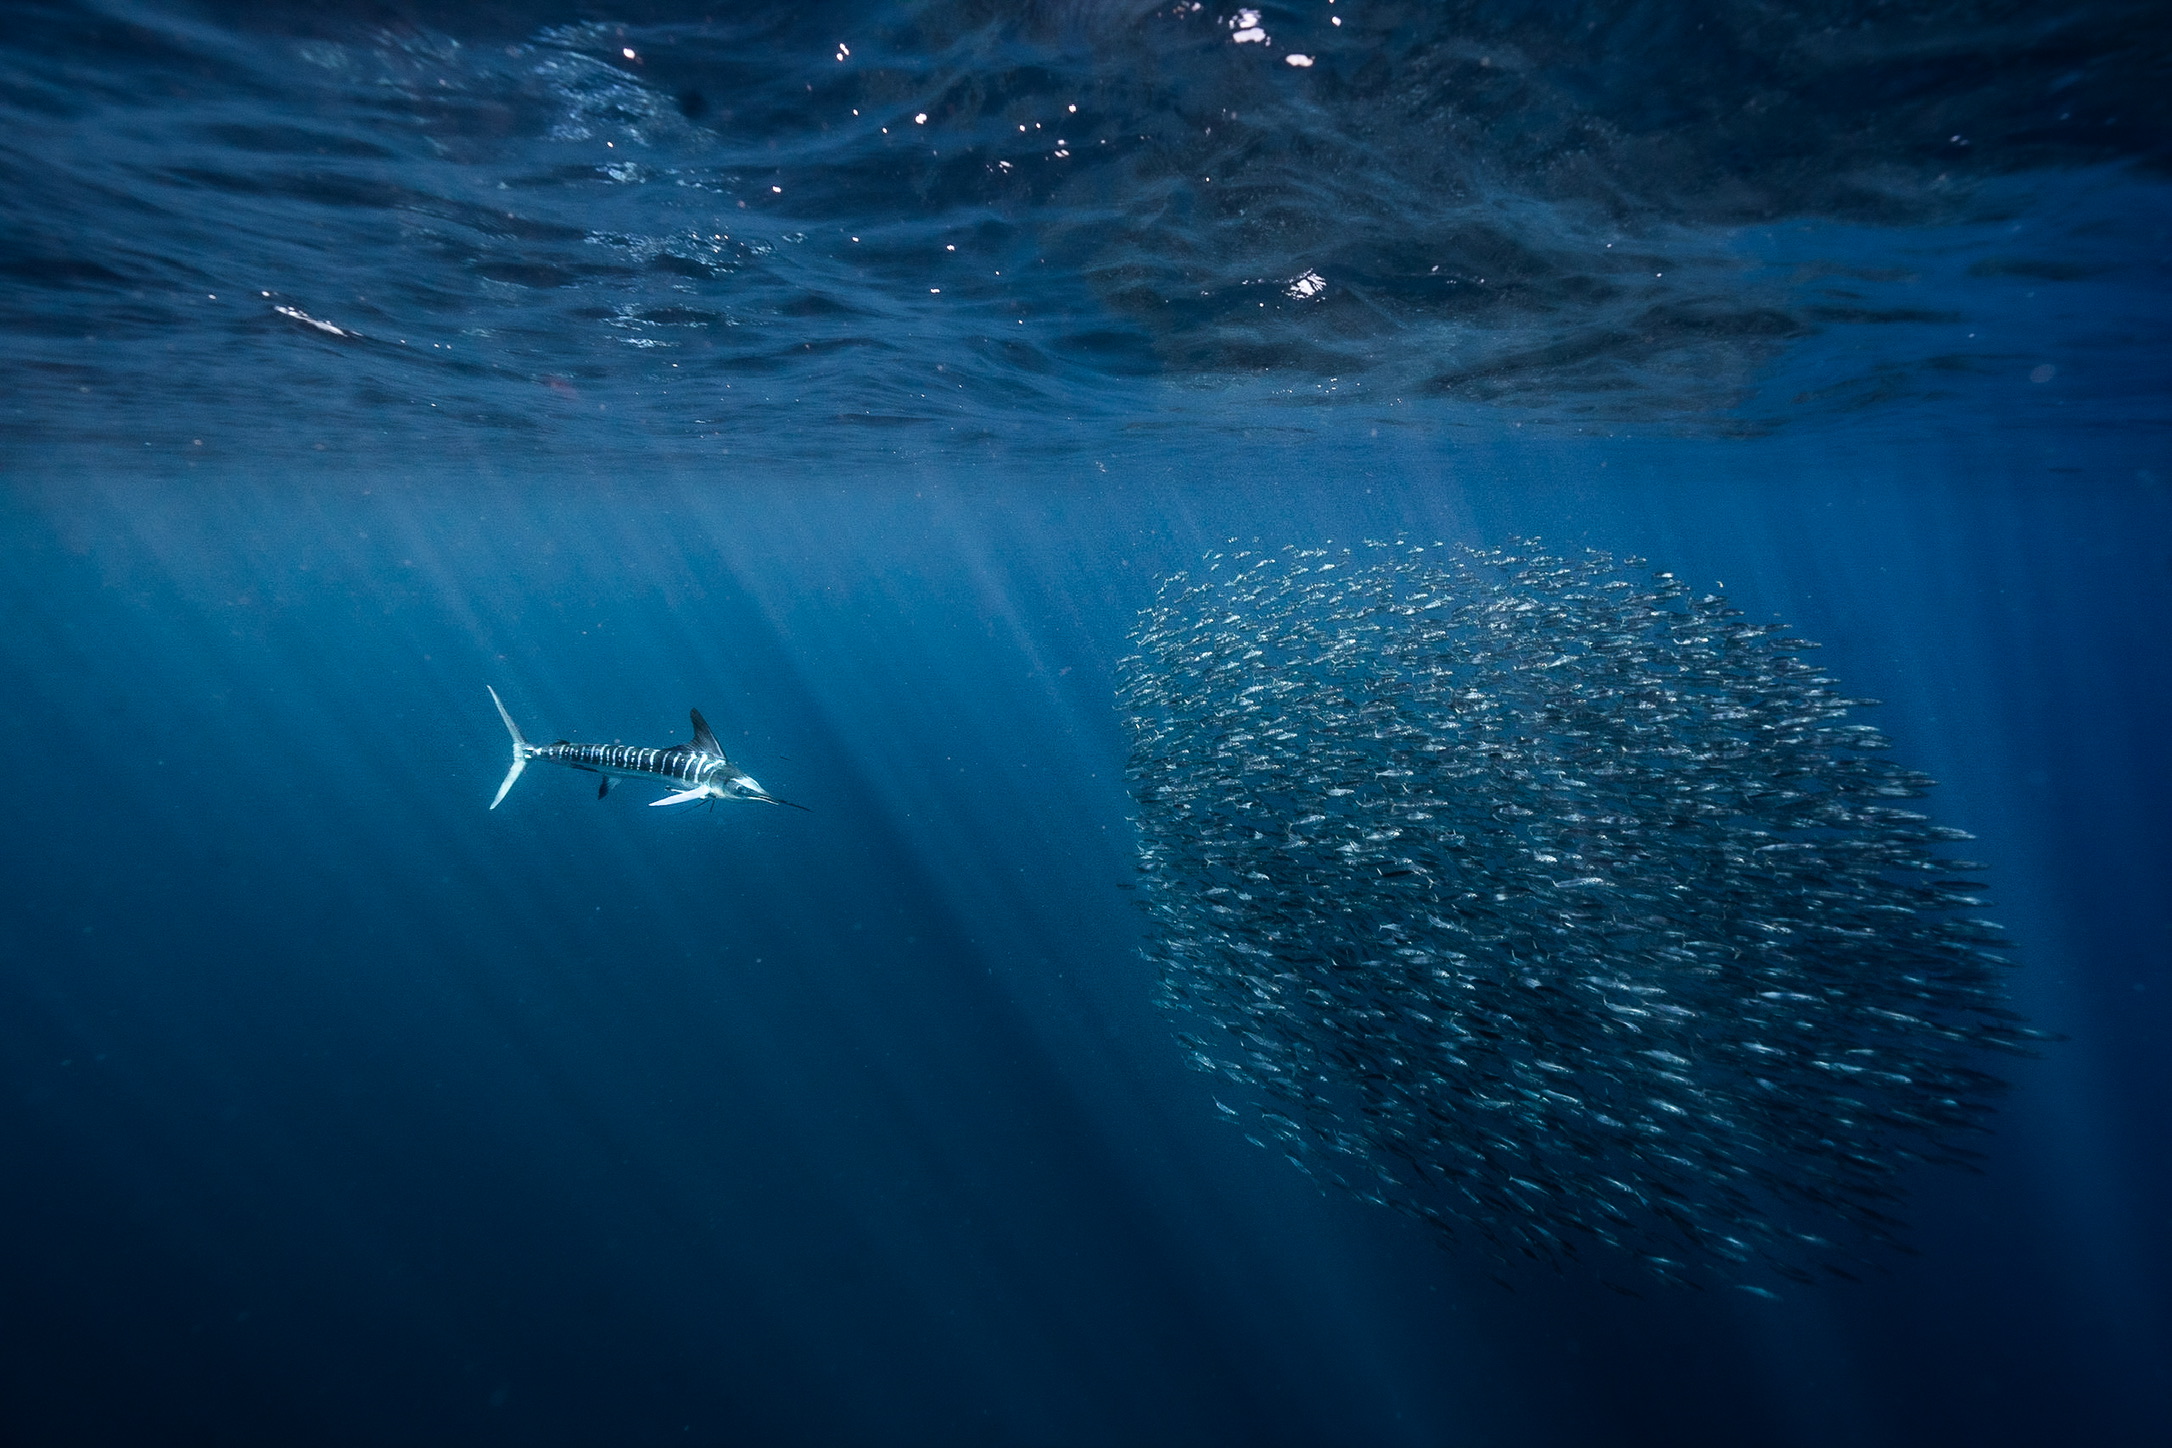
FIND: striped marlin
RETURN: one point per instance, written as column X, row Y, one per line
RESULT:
column 695, row 771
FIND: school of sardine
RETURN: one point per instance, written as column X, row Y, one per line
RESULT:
column 1556, row 905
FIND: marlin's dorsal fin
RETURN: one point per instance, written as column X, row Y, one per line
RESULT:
column 703, row 739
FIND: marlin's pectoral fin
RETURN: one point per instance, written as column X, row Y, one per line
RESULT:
column 680, row 798
column 603, row 786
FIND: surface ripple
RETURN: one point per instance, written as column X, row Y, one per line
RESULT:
column 797, row 226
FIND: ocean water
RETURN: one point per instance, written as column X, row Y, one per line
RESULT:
column 855, row 374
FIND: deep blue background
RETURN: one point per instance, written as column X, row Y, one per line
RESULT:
column 336, row 1108
column 343, row 1109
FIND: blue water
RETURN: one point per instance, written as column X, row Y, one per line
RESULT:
column 337, row 1108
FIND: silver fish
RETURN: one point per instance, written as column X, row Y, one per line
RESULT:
column 1555, row 905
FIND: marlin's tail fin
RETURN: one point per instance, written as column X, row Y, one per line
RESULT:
column 520, row 748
